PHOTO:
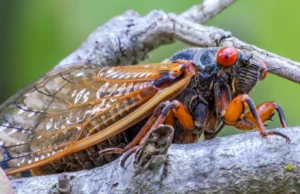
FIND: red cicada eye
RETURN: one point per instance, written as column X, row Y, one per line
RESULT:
column 227, row 56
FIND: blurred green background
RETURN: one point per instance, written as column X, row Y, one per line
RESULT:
column 35, row 35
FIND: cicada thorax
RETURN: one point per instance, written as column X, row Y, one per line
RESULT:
column 198, row 96
column 70, row 105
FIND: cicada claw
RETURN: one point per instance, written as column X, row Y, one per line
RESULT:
column 288, row 140
column 126, row 155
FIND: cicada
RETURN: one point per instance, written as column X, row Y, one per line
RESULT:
column 81, row 116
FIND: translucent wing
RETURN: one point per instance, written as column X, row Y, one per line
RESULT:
column 75, row 107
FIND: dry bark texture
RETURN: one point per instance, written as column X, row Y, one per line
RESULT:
column 242, row 163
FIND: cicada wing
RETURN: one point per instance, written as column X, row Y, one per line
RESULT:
column 75, row 107
column 43, row 107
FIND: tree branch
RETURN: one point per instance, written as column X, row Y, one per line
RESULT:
column 244, row 163
column 128, row 38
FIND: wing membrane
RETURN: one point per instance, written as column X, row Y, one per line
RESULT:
column 75, row 105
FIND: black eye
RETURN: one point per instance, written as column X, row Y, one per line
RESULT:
column 207, row 57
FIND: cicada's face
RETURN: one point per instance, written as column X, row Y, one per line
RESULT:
column 241, row 70
column 248, row 72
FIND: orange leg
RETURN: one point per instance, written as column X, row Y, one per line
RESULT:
column 163, row 114
column 179, row 111
column 255, row 117
column 266, row 111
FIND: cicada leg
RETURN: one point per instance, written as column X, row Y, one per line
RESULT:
column 266, row 111
column 164, row 113
column 232, row 112
column 255, row 117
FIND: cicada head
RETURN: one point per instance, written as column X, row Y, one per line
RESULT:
column 242, row 70
column 226, row 64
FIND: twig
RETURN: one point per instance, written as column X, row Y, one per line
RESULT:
column 204, row 12
column 128, row 38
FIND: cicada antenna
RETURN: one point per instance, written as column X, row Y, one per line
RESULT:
column 251, row 56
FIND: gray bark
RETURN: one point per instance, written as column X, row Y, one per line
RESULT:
column 204, row 12
column 244, row 163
